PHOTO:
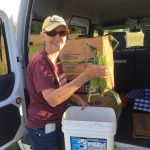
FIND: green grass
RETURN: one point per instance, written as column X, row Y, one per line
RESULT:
column 14, row 146
column 133, row 39
column 3, row 62
column 37, row 45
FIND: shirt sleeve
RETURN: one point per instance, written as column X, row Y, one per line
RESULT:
column 43, row 77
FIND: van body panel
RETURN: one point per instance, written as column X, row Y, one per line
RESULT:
column 12, row 125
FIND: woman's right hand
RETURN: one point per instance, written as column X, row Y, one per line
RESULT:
column 93, row 70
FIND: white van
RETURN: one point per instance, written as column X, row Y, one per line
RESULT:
column 88, row 18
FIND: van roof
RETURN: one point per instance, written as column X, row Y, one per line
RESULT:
column 102, row 12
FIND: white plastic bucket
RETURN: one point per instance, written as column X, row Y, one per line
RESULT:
column 90, row 129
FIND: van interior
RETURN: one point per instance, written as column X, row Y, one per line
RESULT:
column 123, row 20
column 126, row 20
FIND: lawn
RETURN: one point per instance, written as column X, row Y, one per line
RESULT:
column 13, row 147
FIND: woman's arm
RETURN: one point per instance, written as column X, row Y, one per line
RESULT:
column 79, row 101
column 56, row 96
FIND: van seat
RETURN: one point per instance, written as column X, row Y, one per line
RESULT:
column 124, row 70
column 142, row 71
column 147, row 39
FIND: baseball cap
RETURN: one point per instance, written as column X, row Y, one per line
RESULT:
column 51, row 22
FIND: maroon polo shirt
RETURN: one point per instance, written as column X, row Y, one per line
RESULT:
column 41, row 75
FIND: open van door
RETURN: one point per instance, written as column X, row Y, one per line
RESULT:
column 12, row 124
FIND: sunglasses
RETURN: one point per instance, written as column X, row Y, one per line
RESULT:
column 54, row 33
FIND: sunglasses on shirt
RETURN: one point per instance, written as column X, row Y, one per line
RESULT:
column 54, row 33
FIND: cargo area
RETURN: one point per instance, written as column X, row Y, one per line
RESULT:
column 129, row 76
column 131, row 61
column 132, row 72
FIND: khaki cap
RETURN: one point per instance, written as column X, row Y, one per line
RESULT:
column 51, row 22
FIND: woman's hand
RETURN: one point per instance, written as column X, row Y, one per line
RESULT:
column 93, row 70
column 78, row 100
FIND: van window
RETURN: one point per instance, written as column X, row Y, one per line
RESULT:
column 77, row 32
column 79, row 27
column 35, row 44
column 3, row 52
column 126, row 38
column 7, row 77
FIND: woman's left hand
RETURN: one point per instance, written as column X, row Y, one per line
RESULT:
column 80, row 101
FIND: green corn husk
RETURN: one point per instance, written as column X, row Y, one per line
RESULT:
column 95, row 83
column 118, row 106
column 100, row 83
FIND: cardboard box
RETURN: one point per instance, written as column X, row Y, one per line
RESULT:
column 77, row 50
column 100, row 101
column 141, row 127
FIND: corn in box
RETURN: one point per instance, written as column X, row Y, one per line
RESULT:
column 77, row 50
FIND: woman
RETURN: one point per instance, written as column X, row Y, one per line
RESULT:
column 50, row 95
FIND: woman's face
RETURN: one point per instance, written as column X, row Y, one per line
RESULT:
column 55, row 40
